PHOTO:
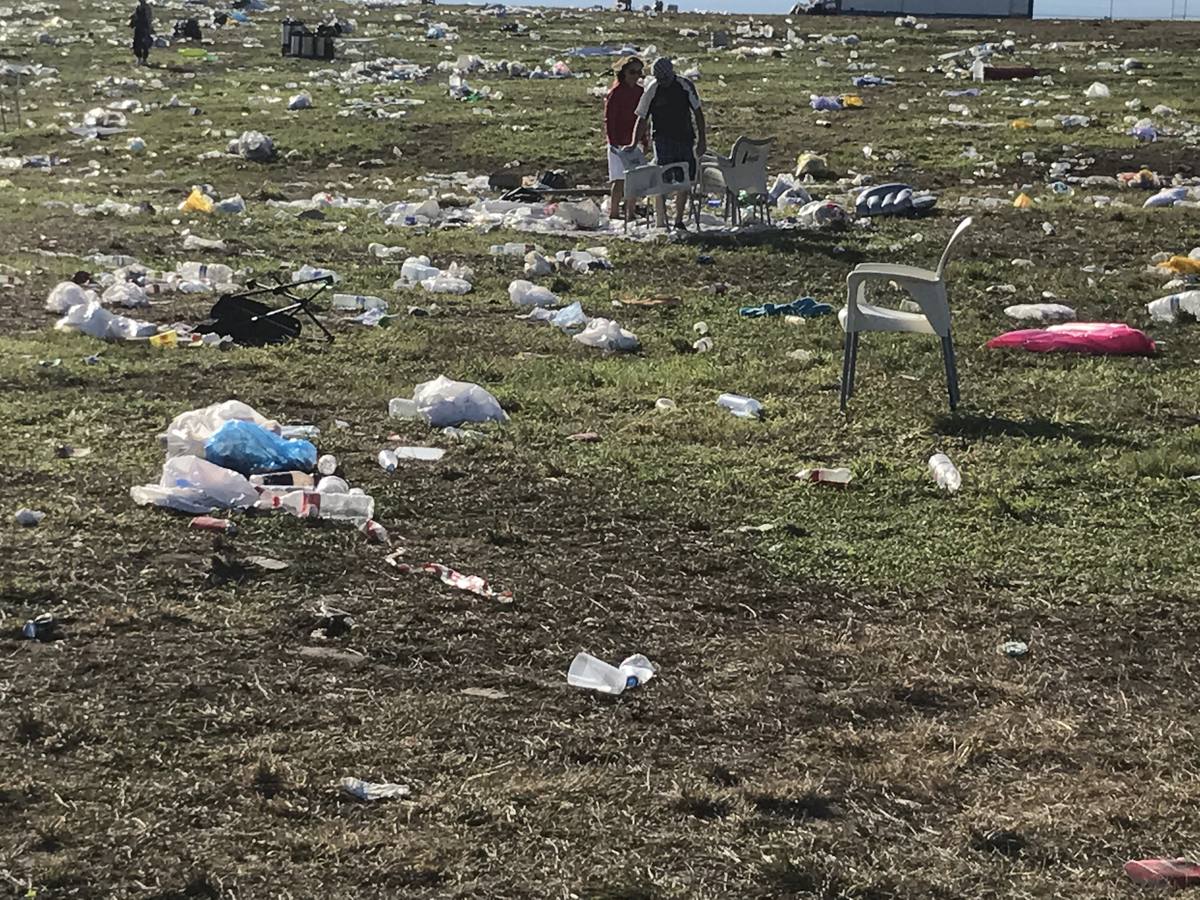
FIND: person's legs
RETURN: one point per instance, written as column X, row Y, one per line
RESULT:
column 616, row 194
column 681, row 200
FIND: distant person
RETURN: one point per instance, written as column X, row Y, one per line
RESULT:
column 670, row 103
column 142, row 23
column 620, row 119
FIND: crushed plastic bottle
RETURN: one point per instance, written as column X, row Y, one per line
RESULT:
column 945, row 473
column 1167, row 309
column 839, row 477
column 594, row 674
column 742, row 407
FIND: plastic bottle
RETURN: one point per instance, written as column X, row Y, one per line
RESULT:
column 301, row 432
column 282, row 479
column 388, row 460
column 703, row 345
column 402, row 408
column 840, row 477
column 339, row 507
column 331, row 484
column 358, row 302
column 417, row 268
column 944, row 472
column 327, row 464
column 742, row 407
column 1167, row 309
column 214, row 274
column 595, row 674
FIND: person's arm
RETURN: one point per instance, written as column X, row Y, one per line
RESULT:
column 701, row 132
column 640, row 133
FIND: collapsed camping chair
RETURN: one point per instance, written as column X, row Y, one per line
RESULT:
column 893, row 200
column 253, row 323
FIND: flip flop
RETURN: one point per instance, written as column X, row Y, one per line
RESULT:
column 1160, row 872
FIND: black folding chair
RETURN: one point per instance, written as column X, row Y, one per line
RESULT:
column 253, row 323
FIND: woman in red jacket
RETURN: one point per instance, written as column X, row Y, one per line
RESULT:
column 620, row 105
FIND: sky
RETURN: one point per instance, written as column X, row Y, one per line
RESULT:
column 1042, row 9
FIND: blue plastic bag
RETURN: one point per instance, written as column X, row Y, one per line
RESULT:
column 251, row 450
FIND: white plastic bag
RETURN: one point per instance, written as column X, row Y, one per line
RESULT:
column 95, row 321
column 1045, row 313
column 526, row 293
column 584, row 215
column 67, row 294
column 193, row 485
column 189, row 431
column 443, row 402
column 125, row 293
column 605, row 334
column 1097, row 91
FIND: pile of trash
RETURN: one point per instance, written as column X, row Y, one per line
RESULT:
column 229, row 457
column 418, row 272
column 601, row 333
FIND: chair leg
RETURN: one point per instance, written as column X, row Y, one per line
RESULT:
column 853, row 364
column 951, row 370
column 846, row 350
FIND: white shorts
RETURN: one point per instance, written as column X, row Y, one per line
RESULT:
column 616, row 168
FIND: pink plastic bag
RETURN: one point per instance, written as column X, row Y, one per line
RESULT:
column 1110, row 338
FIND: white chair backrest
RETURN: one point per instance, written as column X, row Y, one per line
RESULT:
column 749, row 158
column 962, row 226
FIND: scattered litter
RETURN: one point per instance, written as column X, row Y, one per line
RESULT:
column 29, row 518
column 839, row 477
column 1014, row 649
column 605, row 334
column 945, row 473
column 443, row 402
column 741, row 406
column 805, row 307
column 1167, row 309
column 210, row 523
column 42, row 627
column 471, row 583
column 594, row 674
column 368, row 790
column 1046, row 313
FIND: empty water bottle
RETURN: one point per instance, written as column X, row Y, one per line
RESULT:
column 944, row 472
column 742, row 407
column 359, row 302
column 1167, row 309
column 388, row 461
column 299, row 432
column 327, row 464
column 588, row 672
column 210, row 274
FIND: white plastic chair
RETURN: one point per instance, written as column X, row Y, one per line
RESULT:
column 654, row 181
column 745, row 169
column 927, row 288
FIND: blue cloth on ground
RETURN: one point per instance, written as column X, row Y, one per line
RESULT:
column 805, row 306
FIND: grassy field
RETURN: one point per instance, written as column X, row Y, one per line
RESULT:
column 831, row 718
